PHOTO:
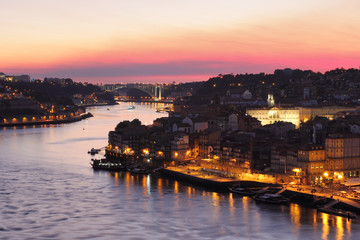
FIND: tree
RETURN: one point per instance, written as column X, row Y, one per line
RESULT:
column 127, row 124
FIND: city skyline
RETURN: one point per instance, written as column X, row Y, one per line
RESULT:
column 110, row 41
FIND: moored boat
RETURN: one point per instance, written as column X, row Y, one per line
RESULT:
column 271, row 198
column 93, row 151
column 104, row 164
column 249, row 191
column 131, row 107
column 244, row 191
column 337, row 212
column 138, row 170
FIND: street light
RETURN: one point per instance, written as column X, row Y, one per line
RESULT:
column 146, row 151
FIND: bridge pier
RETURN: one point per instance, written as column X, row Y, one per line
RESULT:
column 157, row 92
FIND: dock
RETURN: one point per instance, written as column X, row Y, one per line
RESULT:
column 211, row 179
column 198, row 177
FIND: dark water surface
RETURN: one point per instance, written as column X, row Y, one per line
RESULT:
column 49, row 191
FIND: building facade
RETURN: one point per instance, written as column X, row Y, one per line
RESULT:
column 311, row 161
column 294, row 115
column 275, row 114
column 343, row 155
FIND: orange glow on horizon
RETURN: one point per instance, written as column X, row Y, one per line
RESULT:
column 163, row 42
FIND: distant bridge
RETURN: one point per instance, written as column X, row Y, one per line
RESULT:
column 153, row 90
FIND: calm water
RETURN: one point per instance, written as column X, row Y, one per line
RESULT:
column 49, row 191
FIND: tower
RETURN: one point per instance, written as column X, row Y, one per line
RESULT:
column 270, row 100
column 306, row 93
column 157, row 92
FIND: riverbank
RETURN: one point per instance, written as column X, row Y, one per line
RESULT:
column 301, row 196
column 147, row 101
column 47, row 122
column 198, row 178
column 98, row 104
column 213, row 179
column 220, row 181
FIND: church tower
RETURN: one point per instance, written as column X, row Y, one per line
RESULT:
column 270, row 100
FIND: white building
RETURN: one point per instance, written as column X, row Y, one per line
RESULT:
column 196, row 124
column 272, row 115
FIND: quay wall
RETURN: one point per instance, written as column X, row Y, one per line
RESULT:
column 148, row 101
column 307, row 199
column 30, row 123
column 301, row 198
column 198, row 181
column 220, row 185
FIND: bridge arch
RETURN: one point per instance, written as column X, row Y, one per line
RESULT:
column 152, row 90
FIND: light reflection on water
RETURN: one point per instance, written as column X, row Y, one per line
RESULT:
column 49, row 191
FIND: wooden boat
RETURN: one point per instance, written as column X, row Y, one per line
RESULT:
column 244, row 191
column 271, row 198
column 248, row 191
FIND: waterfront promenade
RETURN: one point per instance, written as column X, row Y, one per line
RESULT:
column 42, row 121
column 221, row 180
column 198, row 173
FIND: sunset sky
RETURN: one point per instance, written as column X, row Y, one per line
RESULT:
column 112, row 41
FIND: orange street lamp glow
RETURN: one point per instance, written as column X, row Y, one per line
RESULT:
column 326, row 174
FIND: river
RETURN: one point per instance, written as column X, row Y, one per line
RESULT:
column 48, row 190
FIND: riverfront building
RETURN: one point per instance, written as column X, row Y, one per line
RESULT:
column 343, row 155
column 311, row 159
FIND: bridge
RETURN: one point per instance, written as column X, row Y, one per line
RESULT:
column 153, row 90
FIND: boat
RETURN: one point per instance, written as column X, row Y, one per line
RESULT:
column 271, row 198
column 244, row 191
column 249, row 191
column 138, row 170
column 337, row 212
column 104, row 164
column 160, row 110
column 156, row 170
column 93, row 151
column 131, row 107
